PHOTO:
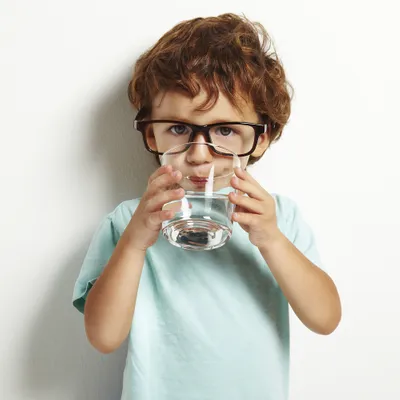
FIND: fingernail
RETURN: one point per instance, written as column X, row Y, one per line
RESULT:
column 175, row 173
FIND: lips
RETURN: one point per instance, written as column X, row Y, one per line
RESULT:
column 198, row 181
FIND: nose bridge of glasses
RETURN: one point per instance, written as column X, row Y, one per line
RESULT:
column 200, row 132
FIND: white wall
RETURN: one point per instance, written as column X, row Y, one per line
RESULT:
column 68, row 156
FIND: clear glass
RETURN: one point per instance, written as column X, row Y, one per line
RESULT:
column 203, row 218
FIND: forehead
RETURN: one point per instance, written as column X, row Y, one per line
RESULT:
column 178, row 106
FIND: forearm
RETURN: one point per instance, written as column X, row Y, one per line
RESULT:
column 111, row 302
column 309, row 290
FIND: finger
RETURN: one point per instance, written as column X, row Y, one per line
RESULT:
column 158, row 217
column 239, row 209
column 254, row 191
column 242, row 174
column 165, row 169
column 164, row 182
column 246, row 203
column 245, row 219
column 157, row 202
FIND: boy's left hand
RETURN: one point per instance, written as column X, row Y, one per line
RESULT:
column 255, row 213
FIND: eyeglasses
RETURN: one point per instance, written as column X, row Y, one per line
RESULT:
column 238, row 137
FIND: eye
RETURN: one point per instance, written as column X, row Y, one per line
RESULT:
column 225, row 131
column 179, row 129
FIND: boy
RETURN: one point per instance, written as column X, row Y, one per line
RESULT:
column 214, row 324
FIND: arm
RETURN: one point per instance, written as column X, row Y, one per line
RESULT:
column 111, row 301
column 110, row 304
column 310, row 292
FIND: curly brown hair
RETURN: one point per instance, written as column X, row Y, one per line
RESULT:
column 227, row 54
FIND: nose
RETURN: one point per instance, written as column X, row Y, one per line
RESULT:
column 200, row 152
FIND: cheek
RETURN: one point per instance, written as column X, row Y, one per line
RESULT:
column 165, row 142
column 178, row 163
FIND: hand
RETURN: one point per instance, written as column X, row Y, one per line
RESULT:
column 144, row 227
column 255, row 213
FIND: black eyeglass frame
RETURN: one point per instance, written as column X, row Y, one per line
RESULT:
column 259, row 129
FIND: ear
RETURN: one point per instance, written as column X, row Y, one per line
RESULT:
column 151, row 141
column 262, row 145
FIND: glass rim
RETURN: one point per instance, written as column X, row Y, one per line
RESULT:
column 228, row 153
column 235, row 158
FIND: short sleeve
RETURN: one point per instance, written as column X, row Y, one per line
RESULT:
column 100, row 250
column 297, row 230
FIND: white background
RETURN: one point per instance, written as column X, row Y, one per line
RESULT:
column 69, row 155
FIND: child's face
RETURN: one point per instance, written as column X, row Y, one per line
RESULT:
column 196, row 160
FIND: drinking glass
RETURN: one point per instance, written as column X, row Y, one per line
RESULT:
column 203, row 217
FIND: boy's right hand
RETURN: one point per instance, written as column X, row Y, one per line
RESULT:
column 144, row 227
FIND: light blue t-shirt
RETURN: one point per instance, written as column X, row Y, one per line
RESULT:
column 210, row 325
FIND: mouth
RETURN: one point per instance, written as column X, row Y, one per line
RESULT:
column 199, row 181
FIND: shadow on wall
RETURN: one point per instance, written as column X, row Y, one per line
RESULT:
column 60, row 362
column 128, row 163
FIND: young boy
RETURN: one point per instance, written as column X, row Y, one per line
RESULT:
column 209, row 325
